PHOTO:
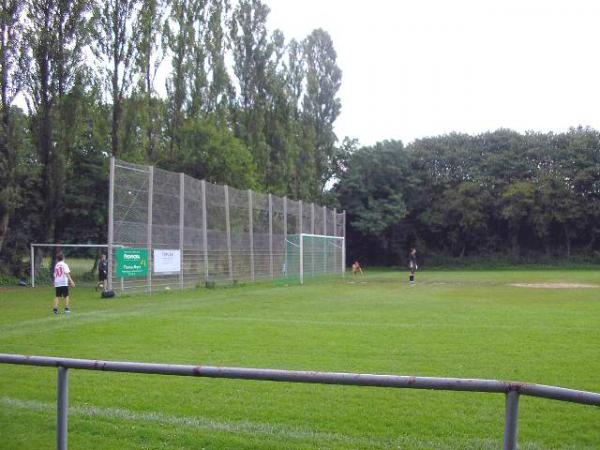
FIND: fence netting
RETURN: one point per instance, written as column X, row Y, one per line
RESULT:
column 194, row 233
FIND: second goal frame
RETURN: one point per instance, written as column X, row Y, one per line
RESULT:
column 315, row 254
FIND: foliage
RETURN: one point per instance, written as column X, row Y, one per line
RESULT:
column 242, row 107
column 532, row 193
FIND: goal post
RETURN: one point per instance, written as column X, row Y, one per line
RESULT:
column 83, row 258
column 313, row 255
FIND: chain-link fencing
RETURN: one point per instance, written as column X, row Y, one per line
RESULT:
column 170, row 231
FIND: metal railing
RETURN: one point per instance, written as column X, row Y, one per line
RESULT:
column 512, row 390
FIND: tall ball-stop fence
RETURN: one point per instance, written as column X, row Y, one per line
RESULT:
column 169, row 230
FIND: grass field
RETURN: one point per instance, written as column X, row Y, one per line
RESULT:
column 456, row 324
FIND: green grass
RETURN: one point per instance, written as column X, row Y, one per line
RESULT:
column 455, row 324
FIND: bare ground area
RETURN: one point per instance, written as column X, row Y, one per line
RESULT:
column 555, row 285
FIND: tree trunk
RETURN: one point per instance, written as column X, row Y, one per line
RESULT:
column 4, row 220
column 116, row 92
column 515, row 243
column 567, row 239
column 116, row 123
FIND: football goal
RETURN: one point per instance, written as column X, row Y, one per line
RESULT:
column 313, row 255
column 81, row 258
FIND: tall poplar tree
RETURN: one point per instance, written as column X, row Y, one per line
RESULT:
column 56, row 35
column 321, row 104
column 13, row 67
column 115, row 32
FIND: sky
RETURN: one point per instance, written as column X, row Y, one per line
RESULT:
column 417, row 68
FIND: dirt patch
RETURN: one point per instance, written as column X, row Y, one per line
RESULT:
column 555, row 285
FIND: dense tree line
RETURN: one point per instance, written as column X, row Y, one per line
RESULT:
column 502, row 193
column 241, row 105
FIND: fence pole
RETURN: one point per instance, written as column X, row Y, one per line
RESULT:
column 512, row 416
column 285, row 248
column 32, row 261
column 325, row 240
column 251, row 231
column 344, row 246
column 312, row 231
column 301, row 217
column 111, row 224
column 62, row 410
column 181, row 225
column 228, row 225
column 204, row 231
column 301, row 259
column 335, row 234
column 149, row 244
column 271, row 235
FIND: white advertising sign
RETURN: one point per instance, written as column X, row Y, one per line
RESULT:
column 167, row 261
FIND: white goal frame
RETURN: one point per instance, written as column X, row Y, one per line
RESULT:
column 33, row 246
column 342, row 247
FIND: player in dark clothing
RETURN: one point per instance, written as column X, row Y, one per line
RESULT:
column 102, row 273
column 412, row 264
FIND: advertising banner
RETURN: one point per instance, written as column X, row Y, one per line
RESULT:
column 132, row 262
column 167, row 261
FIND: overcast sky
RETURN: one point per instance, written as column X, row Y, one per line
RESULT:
column 427, row 67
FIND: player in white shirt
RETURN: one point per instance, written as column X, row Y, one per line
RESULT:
column 62, row 281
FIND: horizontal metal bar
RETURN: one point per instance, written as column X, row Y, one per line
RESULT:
column 318, row 235
column 350, row 379
column 75, row 245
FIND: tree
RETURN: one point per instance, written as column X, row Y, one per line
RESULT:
column 252, row 51
column 14, row 64
column 220, row 93
column 321, row 106
column 149, row 55
column 180, row 36
column 371, row 189
column 115, row 32
column 56, row 34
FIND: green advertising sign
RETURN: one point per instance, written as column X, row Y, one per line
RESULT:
column 132, row 262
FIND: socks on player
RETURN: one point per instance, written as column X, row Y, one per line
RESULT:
column 412, row 278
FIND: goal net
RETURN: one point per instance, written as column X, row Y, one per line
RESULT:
column 313, row 255
column 82, row 260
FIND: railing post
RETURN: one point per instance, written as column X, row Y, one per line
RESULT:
column 62, row 412
column 512, row 417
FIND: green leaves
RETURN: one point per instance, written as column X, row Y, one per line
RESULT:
column 492, row 193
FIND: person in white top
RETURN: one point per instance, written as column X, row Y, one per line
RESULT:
column 62, row 282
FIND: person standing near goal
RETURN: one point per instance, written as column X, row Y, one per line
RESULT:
column 62, row 282
column 412, row 264
column 102, row 273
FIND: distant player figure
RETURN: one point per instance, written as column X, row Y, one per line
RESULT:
column 102, row 273
column 412, row 264
column 62, row 282
column 356, row 269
